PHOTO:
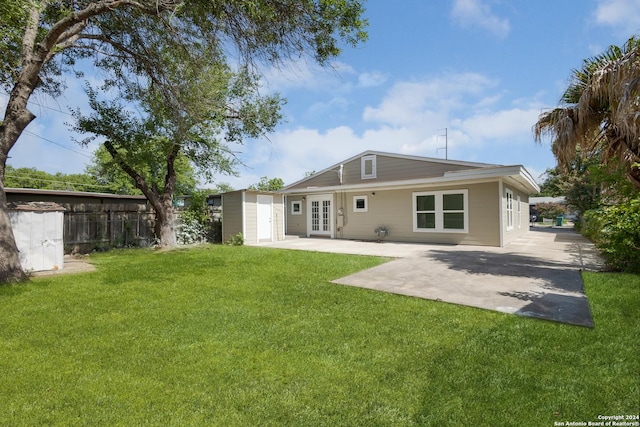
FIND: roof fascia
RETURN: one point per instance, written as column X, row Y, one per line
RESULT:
column 398, row 156
column 365, row 153
column 519, row 173
column 72, row 193
column 430, row 159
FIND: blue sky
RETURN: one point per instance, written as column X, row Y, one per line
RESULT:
column 482, row 69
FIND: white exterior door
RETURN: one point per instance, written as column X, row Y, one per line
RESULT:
column 265, row 213
column 320, row 215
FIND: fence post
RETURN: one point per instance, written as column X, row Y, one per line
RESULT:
column 112, row 231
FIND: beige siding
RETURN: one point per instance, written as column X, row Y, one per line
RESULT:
column 395, row 169
column 233, row 220
column 231, row 214
column 388, row 168
column 278, row 217
column 296, row 224
column 394, row 210
column 251, row 217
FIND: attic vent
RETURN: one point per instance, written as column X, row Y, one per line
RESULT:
column 368, row 167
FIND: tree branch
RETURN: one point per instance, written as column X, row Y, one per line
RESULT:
column 139, row 180
column 30, row 34
column 64, row 29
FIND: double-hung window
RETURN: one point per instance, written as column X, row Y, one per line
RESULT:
column 441, row 211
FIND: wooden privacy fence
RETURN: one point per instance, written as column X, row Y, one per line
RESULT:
column 87, row 231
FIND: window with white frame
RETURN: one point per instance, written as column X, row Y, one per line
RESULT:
column 509, row 200
column 296, row 207
column 360, row 204
column 441, row 211
column 368, row 167
column 519, row 209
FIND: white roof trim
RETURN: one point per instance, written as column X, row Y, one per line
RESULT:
column 519, row 173
column 398, row 156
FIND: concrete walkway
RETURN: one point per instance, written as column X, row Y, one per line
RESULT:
column 538, row 275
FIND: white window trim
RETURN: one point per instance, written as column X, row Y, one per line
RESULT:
column 299, row 203
column 363, row 162
column 366, row 204
column 440, row 212
column 519, row 210
column 509, row 206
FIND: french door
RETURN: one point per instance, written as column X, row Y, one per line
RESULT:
column 320, row 215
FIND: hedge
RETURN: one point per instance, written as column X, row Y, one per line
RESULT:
column 615, row 230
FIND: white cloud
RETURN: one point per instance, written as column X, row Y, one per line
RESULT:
column 622, row 15
column 303, row 74
column 423, row 101
column 501, row 125
column 473, row 13
column 409, row 119
column 372, row 79
column 338, row 103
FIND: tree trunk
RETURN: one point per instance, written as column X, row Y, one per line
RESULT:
column 165, row 224
column 10, row 268
column 16, row 119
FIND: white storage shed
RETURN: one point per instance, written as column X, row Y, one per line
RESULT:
column 38, row 230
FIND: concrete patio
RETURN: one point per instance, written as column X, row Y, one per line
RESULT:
column 536, row 276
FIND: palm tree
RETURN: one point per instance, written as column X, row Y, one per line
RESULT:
column 599, row 111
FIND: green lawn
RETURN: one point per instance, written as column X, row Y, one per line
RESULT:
column 247, row 336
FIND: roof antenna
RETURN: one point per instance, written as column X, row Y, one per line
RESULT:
column 446, row 143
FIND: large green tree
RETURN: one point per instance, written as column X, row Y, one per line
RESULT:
column 266, row 184
column 189, row 123
column 599, row 115
column 105, row 171
column 41, row 40
column 33, row 178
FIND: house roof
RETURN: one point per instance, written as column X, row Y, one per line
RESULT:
column 394, row 155
column 469, row 173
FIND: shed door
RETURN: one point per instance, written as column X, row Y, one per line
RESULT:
column 264, row 217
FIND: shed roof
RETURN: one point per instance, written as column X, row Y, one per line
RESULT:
column 73, row 193
column 36, row 206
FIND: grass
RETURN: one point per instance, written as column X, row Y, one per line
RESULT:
column 244, row 336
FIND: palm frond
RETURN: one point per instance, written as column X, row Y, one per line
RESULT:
column 600, row 110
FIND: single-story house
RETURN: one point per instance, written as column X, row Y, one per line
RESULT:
column 377, row 195
column 258, row 215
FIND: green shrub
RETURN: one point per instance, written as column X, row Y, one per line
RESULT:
column 550, row 209
column 615, row 230
column 191, row 228
column 237, row 240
